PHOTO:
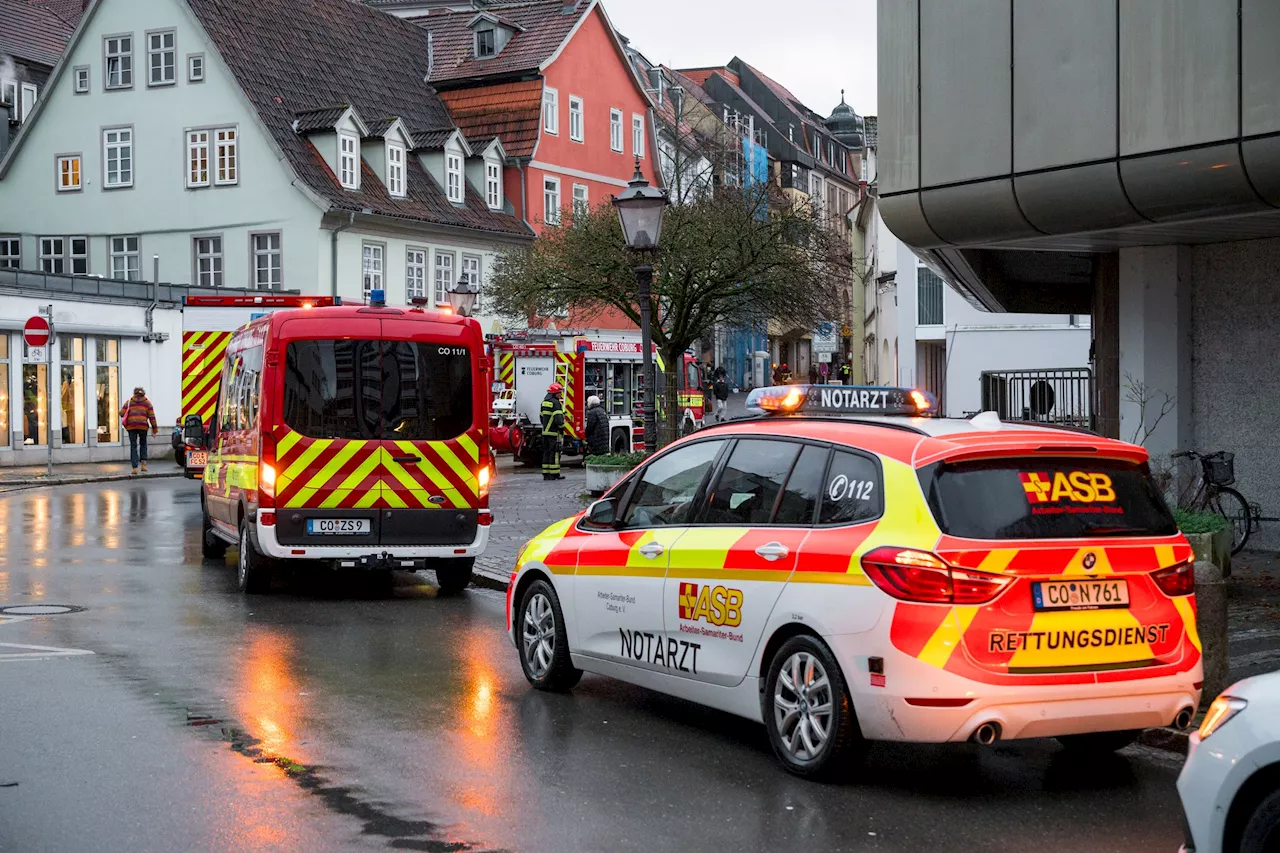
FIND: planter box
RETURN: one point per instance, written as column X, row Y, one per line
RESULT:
column 1213, row 548
column 601, row 478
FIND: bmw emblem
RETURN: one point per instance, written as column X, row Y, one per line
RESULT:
column 1089, row 561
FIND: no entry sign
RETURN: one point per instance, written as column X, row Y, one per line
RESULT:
column 36, row 332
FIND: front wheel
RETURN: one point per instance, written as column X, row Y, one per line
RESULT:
column 453, row 576
column 1262, row 832
column 808, row 712
column 544, row 643
column 253, row 573
column 1232, row 506
column 180, row 456
column 1098, row 743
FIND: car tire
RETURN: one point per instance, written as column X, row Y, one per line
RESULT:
column 453, row 576
column 543, row 641
column 253, row 571
column 1098, row 743
column 1262, row 832
column 211, row 545
column 180, row 457
column 814, row 731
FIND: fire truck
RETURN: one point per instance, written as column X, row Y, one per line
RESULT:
column 207, row 325
column 584, row 365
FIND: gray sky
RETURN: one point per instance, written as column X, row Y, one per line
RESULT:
column 813, row 47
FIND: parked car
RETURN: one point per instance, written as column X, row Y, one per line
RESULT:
column 179, row 447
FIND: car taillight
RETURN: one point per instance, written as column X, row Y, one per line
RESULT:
column 483, row 476
column 911, row 575
column 267, row 473
column 1176, row 580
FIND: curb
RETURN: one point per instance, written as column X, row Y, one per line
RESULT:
column 1168, row 739
column 21, row 485
column 487, row 581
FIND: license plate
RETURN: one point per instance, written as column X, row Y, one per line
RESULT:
column 197, row 458
column 1080, row 595
column 339, row 526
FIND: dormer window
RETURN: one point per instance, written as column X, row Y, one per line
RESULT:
column 486, row 43
column 395, row 170
column 349, row 160
column 453, row 178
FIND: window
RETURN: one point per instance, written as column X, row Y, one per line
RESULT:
column 118, row 53
column 930, row 293
column 373, row 268
column 228, row 156
column 415, row 273
column 550, row 111
column 444, row 277
column 78, row 256
column 68, row 173
column 493, row 185
column 799, row 499
column 615, row 130
column 453, row 177
column 853, row 491
column 637, row 135
column 29, row 92
column 241, row 389
column 750, row 483
column 395, row 170
column 575, row 118
column 208, row 257
column 471, row 275
column 581, row 205
column 53, row 254
column 268, row 261
column 35, row 403
column 4, row 387
column 162, row 58
column 198, row 158
column 9, row 94
column 551, row 201
column 10, row 259
column 117, row 157
column 107, row 387
column 377, row 390
column 74, row 395
column 126, row 258
column 349, row 161
column 195, row 67
column 81, row 79
column 486, row 44
column 665, row 492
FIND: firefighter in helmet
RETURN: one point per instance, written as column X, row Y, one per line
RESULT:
column 552, row 430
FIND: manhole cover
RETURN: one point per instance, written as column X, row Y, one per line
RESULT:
column 39, row 609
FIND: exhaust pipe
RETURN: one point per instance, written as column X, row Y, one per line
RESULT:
column 986, row 734
column 1182, row 722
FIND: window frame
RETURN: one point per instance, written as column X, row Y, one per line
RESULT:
column 59, row 257
column 206, row 146
column 493, row 185
column 396, row 187
column 368, row 249
column 420, row 291
column 255, row 254
column 218, row 277
column 24, row 110
column 454, row 183
column 713, row 471
column 106, row 157
column 343, row 155
column 73, row 256
column 558, row 213
column 437, row 296
column 585, row 206
column 230, row 144
column 58, row 160
column 822, row 497
column 75, row 79
column 722, row 462
column 579, row 113
column 615, row 124
column 11, row 88
column 551, row 111
column 172, row 50
column 8, row 260
column 493, row 42
column 463, row 273
column 125, row 254
column 192, row 76
column 637, row 135
column 107, row 56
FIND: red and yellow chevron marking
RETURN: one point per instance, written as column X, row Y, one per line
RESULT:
column 339, row 473
column 202, row 354
column 507, row 369
column 566, row 362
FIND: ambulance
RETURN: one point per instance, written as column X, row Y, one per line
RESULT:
column 847, row 568
column 585, row 366
column 207, row 324
column 351, row 437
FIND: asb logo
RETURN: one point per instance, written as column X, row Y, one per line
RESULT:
column 718, row 605
column 1078, row 487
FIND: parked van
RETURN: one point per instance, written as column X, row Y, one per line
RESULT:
column 351, row 437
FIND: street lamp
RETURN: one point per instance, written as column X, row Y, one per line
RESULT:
column 462, row 299
column 640, row 209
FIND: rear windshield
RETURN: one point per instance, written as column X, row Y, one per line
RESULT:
column 1045, row 499
column 377, row 390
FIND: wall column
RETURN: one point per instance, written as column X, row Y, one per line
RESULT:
column 1105, row 350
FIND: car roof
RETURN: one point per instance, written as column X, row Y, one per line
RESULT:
column 923, row 441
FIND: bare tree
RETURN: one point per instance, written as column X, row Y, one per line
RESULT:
column 1153, row 404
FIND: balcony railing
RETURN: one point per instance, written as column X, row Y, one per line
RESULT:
column 1054, row 396
column 929, row 290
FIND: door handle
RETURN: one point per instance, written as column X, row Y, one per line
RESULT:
column 411, row 458
column 773, row 551
column 652, row 550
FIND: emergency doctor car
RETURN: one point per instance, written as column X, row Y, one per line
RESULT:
column 845, row 568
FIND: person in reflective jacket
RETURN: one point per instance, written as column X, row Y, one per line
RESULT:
column 552, row 430
column 597, row 427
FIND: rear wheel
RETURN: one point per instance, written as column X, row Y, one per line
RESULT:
column 1232, row 506
column 618, row 443
column 253, row 571
column 211, row 545
column 1096, row 743
column 544, row 644
column 1262, row 832
column 180, row 456
column 808, row 713
column 454, row 576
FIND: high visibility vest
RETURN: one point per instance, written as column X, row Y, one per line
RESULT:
column 552, row 415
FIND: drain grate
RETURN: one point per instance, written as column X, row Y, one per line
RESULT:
column 39, row 609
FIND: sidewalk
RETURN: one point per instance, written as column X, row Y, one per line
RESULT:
column 32, row 476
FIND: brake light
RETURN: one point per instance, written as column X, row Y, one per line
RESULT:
column 911, row 575
column 1176, row 580
column 485, row 518
column 482, row 477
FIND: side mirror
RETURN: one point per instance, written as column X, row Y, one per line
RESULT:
column 193, row 431
column 602, row 513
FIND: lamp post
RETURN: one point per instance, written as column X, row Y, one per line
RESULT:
column 462, row 298
column 640, row 209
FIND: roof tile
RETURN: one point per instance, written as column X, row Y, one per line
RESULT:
column 545, row 23
column 510, row 111
column 33, row 32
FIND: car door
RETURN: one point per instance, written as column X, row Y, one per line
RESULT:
column 726, row 572
column 617, row 600
column 217, row 473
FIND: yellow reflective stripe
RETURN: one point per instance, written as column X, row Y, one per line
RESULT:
column 367, row 467
column 946, row 639
column 389, row 495
column 464, row 473
column 627, row 571
column 197, row 386
column 318, row 481
column 1183, row 604
column 1165, row 556
column 204, row 406
column 405, row 479
column 286, row 444
column 308, row 456
column 473, row 449
column 763, row 575
column 997, row 560
column 370, row 497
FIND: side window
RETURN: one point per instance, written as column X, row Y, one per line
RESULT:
column 800, row 497
column 750, row 483
column 664, row 495
column 252, row 387
column 227, row 407
column 853, row 490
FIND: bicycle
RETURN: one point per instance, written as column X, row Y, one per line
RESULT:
column 1212, row 494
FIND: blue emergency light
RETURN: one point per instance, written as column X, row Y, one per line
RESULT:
column 377, row 298
column 841, row 400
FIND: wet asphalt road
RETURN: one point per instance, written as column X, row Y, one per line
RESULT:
column 322, row 719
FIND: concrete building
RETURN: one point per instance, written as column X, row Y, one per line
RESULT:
column 1116, row 157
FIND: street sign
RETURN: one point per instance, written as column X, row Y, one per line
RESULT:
column 37, row 355
column 36, row 331
column 824, row 339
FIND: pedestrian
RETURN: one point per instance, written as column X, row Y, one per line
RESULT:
column 844, row 372
column 597, row 427
column 813, row 374
column 137, row 414
column 552, row 430
column 720, row 390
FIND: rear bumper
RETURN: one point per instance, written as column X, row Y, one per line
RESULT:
column 269, row 545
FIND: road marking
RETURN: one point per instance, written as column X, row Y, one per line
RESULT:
column 37, row 652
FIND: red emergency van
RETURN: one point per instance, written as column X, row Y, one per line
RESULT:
column 351, row 437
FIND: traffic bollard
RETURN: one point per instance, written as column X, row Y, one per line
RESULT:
column 1211, row 624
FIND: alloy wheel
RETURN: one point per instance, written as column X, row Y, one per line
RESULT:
column 539, row 635
column 803, row 710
